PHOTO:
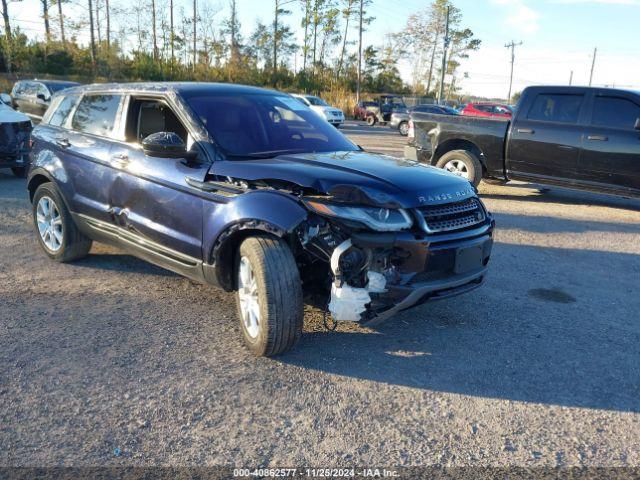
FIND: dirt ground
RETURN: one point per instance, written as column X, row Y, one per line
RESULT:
column 112, row 361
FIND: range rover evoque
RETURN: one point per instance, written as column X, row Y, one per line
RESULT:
column 249, row 190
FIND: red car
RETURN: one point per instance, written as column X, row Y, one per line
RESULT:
column 487, row 110
column 360, row 110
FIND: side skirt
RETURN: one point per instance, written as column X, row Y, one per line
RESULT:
column 152, row 252
column 574, row 184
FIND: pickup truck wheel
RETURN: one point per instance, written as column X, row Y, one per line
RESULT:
column 19, row 172
column 371, row 120
column 57, row 233
column 403, row 128
column 462, row 163
column 269, row 295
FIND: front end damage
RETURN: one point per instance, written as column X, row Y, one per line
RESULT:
column 373, row 275
column 380, row 234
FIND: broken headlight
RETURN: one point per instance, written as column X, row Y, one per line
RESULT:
column 377, row 218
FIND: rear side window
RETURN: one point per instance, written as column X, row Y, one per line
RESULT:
column 615, row 112
column 63, row 110
column 96, row 114
column 556, row 108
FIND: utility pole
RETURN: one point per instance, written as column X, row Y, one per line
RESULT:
column 359, row 79
column 195, row 21
column 593, row 65
column 444, row 57
column 571, row 78
column 512, row 46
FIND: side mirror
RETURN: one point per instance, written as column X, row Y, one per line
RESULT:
column 6, row 99
column 637, row 125
column 166, row 145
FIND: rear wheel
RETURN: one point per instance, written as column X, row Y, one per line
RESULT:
column 19, row 172
column 57, row 233
column 269, row 296
column 371, row 120
column 462, row 163
column 403, row 128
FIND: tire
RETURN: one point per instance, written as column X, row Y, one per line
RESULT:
column 464, row 162
column 20, row 172
column 70, row 242
column 371, row 120
column 272, row 290
column 403, row 128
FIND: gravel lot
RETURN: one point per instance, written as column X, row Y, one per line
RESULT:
column 111, row 361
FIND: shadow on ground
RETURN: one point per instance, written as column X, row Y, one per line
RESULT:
column 548, row 337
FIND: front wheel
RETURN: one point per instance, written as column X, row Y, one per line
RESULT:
column 371, row 120
column 463, row 163
column 269, row 295
column 20, row 172
column 403, row 128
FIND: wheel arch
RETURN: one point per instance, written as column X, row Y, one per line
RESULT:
column 37, row 178
column 458, row 144
column 257, row 213
column 225, row 249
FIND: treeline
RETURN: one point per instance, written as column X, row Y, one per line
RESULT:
column 158, row 40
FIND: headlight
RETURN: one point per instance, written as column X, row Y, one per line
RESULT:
column 377, row 218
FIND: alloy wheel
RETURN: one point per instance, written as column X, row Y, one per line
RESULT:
column 457, row 167
column 249, row 299
column 49, row 224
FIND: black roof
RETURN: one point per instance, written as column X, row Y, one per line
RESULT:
column 578, row 88
column 187, row 88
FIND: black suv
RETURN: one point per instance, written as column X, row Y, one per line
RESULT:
column 33, row 97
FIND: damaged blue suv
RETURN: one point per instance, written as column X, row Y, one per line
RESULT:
column 249, row 190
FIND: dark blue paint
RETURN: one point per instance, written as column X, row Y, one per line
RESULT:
column 149, row 196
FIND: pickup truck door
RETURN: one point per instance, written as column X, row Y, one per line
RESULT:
column 546, row 139
column 611, row 148
column 159, row 212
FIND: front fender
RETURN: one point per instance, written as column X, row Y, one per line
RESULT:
column 225, row 225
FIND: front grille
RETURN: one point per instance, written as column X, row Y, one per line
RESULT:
column 452, row 216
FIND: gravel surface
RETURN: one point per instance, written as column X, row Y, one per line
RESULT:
column 112, row 361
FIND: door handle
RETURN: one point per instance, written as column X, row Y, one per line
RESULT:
column 597, row 138
column 63, row 142
column 120, row 160
column 529, row 131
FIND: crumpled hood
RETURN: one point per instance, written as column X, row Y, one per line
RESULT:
column 356, row 177
column 9, row 115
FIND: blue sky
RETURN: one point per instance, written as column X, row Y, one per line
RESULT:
column 558, row 36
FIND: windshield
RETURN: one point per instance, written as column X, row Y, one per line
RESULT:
column 318, row 102
column 266, row 125
column 56, row 87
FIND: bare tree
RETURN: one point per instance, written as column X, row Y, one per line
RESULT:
column 45, row 16
column 93, row 37
column 7, row 35
column 153, row 29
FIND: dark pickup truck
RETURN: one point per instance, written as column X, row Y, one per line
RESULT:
column 587, row 138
